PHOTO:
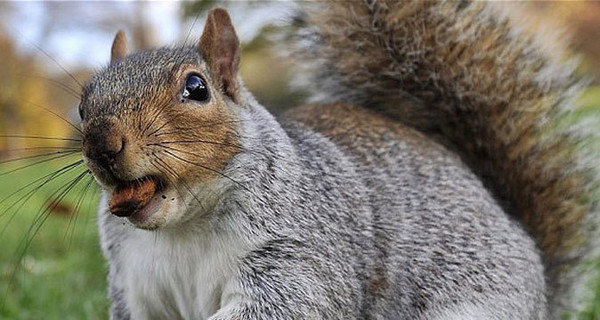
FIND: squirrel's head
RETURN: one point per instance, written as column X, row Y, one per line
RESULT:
column 160, row 125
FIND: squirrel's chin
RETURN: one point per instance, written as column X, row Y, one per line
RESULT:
column 157, row 212
column 147, row 203
column 153, row 202
column 151, row 216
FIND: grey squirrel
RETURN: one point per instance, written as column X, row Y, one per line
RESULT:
column 425, row 184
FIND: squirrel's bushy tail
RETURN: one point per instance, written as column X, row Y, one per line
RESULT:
column 462, row 73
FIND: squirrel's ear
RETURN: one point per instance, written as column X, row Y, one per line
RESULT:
column 220, row 48
column 119, row 47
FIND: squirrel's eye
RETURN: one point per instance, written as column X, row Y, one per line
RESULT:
column 195, row 88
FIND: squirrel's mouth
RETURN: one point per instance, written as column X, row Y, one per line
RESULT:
column 130, row 198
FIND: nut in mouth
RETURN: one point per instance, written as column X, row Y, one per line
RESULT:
column 130, row 197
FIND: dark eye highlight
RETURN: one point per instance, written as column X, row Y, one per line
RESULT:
column 195, row 88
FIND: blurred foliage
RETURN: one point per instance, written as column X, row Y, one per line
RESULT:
column 194, row 8
column 580, row 21
column 268, row 75
column 24, row 92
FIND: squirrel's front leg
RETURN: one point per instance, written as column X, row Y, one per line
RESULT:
column 284, row 280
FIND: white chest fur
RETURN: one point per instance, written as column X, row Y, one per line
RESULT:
column 174, row 276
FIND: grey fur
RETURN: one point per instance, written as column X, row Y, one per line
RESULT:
column 342, row 214
column 404, row 231
column 372, row 229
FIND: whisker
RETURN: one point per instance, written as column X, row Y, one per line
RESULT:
column 39, row 156
column 178, row 65
column 44, row 147
column 194, row 195
column 206, row 168
column 26, row 242
column 56, row 114
column 242, row 149
column 49, row 57
column 179, row 178
column 90, row 200
column 196, row 141
column 59, row 84
column 37, row 137
column 184, row 46
column 158, row 129
column 175, row 175
column 76, row 211
column 210, row 125
column 190, row 31
column 155, row 117
column 42, row 216
column 49, row 177
column 259, row 198
column 36, row 163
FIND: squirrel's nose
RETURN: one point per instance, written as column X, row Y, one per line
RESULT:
column 103, row 145
column 112, row 147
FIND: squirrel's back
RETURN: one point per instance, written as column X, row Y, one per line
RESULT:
column 441, row 242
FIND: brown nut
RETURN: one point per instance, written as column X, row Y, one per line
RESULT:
column 129, row 198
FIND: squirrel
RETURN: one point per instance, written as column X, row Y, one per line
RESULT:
column 426, row 180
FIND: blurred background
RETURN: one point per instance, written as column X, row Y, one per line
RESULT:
column 50, row 261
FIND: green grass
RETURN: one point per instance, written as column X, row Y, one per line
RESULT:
column 61, row 274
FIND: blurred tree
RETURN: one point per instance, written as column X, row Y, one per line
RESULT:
column 9, row 120
column 100, row 16
column 19, row 98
